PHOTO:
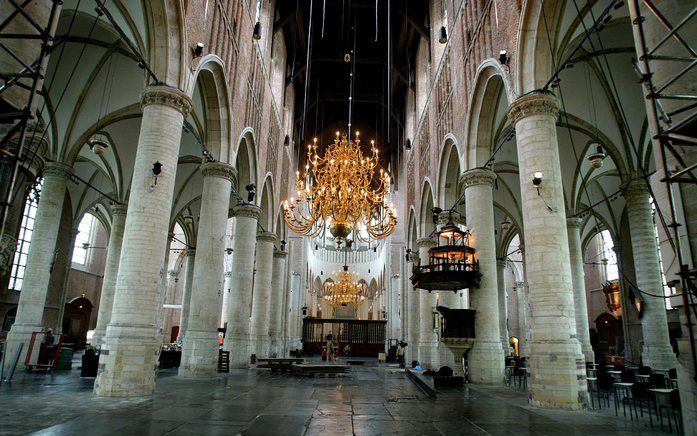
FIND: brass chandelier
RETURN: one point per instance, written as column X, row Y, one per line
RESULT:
column 345, row 291
column 341, row 191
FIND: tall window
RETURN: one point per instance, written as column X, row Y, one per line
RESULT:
column 608, row 256
column 83, row 239
column 19, row 264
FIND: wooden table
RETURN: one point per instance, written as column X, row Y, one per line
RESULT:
column 283, row 364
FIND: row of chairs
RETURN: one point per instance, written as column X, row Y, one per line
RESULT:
column 640, row 387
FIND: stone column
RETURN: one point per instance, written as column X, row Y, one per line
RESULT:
column 486, row 356
column 227, row 285
column 106, row 301
column 413, row 302
column 657, row 352
column 294, row 313
column 32, row 299
column 428, row 338
column 186, row 295
column 394, row 315
column 227, row 290
column 239, row 308
column 261, row 297
column 277, row 303
column 132, row 342
column 200, row 347
column 579, row 285
column 503, row 304
column 556, row 369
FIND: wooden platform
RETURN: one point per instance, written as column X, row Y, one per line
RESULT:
column 319, row 370
column 283, row 364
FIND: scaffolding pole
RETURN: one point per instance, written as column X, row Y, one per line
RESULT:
column 666, row 136
column 34, row 71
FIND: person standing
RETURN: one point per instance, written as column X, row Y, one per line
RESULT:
column 330, row 348
column 400, row 354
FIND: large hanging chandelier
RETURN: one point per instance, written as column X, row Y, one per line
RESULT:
column 341, row 191
column 345, row 290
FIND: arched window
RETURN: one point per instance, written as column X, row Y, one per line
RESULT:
column 609, row 257
column 19, row 263
column 83, row 239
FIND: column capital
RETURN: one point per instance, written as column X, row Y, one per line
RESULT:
column 501, row 263
column 166, row 96
column 57, row 169
column 536, row 103
column 635, row 188
column 266, row 237
column 278, row 254
column 119, row 209
column 413, row 257
column 425, row 242
column 219, row 169
column 191, row 251
column 247, row 210
column 477, row 176
column 574, row 222
column 170, row 236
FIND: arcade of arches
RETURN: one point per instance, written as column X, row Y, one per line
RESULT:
column 145, row 222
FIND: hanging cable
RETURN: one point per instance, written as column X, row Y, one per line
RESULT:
column 324, row 13
column 307, row 69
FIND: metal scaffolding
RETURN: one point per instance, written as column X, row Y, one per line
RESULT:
column 671, row 130
column 15, row 117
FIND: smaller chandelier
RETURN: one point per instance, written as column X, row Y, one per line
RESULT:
column 345, row 291
column 341, row 191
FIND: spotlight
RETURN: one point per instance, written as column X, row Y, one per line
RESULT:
column 537, row 180
column 228, row 251
column 257, row 31
column 283, row 245
column 286, row 141
column 503, row 57
column 443, row 35
column 156, row 169
column 408, row 144
column 198, row 50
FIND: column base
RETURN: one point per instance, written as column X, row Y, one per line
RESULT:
column 260, row 346
column 239, row 351
column 19, row 334
column 688, row 387
column 557, row 375
column 98, row 338
column 199, row 355
column 128, row 362
column 428, row 355
column 486, row 363
column 588, row 353
column 659, row 357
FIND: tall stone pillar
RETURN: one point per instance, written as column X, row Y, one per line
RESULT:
column 657, row 352
column 239, row 309
column 556, row 370
column 261, row 297
column 579, row 285
column 132, row 343
column 486, row 361
column 503, row 304
column 32, row 299
column 200, row 347
column 277, row 302
column 113, row 254
column 186, row 294
column 428, row 338
column 227, row 289
column 294, row 313
column 413, row 316
column 394, row 315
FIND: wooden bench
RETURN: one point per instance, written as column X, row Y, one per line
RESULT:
column 283, row 364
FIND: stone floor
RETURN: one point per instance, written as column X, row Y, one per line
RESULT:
column 369, row 401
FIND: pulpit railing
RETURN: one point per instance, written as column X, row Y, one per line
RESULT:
column 456, row 323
